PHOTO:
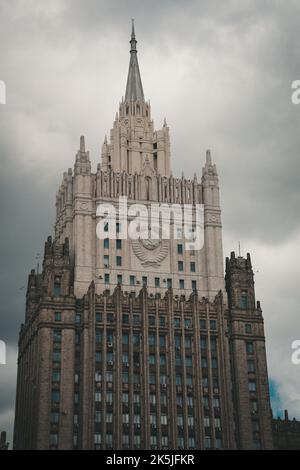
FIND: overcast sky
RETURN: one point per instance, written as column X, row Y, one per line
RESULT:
column 219, row 71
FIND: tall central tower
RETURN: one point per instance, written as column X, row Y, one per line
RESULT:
column 136, row 344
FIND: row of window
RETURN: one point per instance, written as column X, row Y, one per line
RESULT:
column 136, row 319
column 157, row 281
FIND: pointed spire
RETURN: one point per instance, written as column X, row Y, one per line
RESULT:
column 208, row 157
column 134, row 87
column 82, row 144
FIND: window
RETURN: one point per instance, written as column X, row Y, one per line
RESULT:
column 162, row 360
column 203, row 342
column 179, row 249
column 136, row 398
column 119, row 260
column 162, row 341
column 187, row 323
column 125, row 418
column 98, row 337
column 106, row 261
column 153, row 419
column 181, row 283
column 248, row 328
column 54, row 418
column 136, row 320
column 98, row 317
column 57, row 286
column 202, row 324
column 106, row 243
column 153, row 441
column 213, row 324
column 251, row 366
column 157, row 282
column 191, row 442
column 57, row 316
column 163, row 419
column 97, row 439
column 190, row 421
column 194, row 285
column 213, row 344
column 119, row 244
column 151, row 339
column 125, row 318
column 178, row 380
column 169, row 283
column 163, row 379
column 98, row 397
column 249, row 347
column 144, row 281
column 132, row 280
column 179, row 420
column 152, row 359
column 109, row 376
column 206, row 421
column 98, row 376
column 193, row 267
column 187, row 342
column 164, row 441
column 55, row 396
column 207, row 442
column 98, row 417
column 189, row 380
column 204, row 362
column 125, row 357
column 125, row 338
column 109, row 398
column 136, row 336
column 152, row 379
column 137, row 440
column 98, row 356
column 106, row 278
column 76, row 398
column 109, row 417
column 125, row 397
column 152, row 399
column 56, row 356
column 244, row 300
column 76, row 377
column 177, row 322
column 151, row 320
column 55, row 376
column 180, row 442
column 252, row 386
column 125, row 440
column 125, row 377
column 57, row 336
column 188, row 361
column 205, row 381
column 119, row 279
column 109, row 439
column 218, row 423
column 255, row 425
column 180, row 265
column 218, row 443
column 53, row 439
column 214, row 363
column 179, row 400
column 216, row 402
column 162, row 321
column 163, row 399
column 118, row 227
column 254, row 406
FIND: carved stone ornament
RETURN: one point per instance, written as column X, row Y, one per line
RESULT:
column 150, row 252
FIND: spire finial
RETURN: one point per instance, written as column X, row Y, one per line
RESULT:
column 133, row 41
column 134, row 88
column 82, row 144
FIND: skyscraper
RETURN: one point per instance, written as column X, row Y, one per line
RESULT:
column 140, row 343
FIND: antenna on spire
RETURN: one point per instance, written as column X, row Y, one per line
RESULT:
column 239, row 248
column 132, row 29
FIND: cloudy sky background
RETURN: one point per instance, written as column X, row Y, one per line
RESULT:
column 220, row 72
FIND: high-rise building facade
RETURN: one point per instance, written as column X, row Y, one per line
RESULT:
column 140, row 343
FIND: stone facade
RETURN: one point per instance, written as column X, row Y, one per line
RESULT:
column 286, row 433
column 127, row 344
